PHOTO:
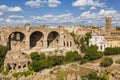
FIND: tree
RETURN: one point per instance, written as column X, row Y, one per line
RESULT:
column 42, row 55
column 35, row 65
column 55, row 60
column 83, row 46
column 3, row 51
column 87, row 37
column 35, row 56
column 39, row 65
column 92, row 53
column 82, row 42
column 106, row 62
column 72, row 56
column 92, row 76
column 112, row 51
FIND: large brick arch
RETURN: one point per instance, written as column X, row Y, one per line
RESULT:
column 22, row 30
column 53, row 39
column 36, row 39
column 16, row 36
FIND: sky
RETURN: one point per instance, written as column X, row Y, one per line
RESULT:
column 59, row 12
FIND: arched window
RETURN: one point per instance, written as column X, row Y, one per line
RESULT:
column 35, row 39
column 53, row 39
column 64, row 44
column 67, row 44
column 70, row 44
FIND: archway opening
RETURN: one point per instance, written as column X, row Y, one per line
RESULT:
column 16, row 41
column 36, row 39
column 53, row 39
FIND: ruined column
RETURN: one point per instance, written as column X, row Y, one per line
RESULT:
column 61, row 42
column 45, row 40
column 12, row 67
column 27, row 41
column 16, row 68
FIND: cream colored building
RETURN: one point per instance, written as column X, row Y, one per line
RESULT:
column 99, row 41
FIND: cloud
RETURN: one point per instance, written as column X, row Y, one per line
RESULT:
column 93, row 8
column 89, row 17
column 1, row 13
column 83, row 3
column 98, row 18
column 53, row 3
column 10, row 9
column 101, row 13
column 38, row 3
column 15, row 22
column 15, row 17
column 55, row 19
column 107, row 12
column 33, row 3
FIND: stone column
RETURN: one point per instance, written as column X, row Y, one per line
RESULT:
column 12, row 66
column 45, row 42
column 16, row 68
column 27, row 35
column 26, row 65
column 27, row 41
column 61, row 42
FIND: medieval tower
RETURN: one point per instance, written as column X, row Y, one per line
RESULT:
column 108, row 26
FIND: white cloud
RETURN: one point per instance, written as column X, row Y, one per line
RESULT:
column 15, row 17
column 53, row 3
column 38, row 3
column 85, row 18
column 14, row 22
column 1, row 19
column 107, row 12
column 9, row 20
column 98, row 18
column 93, row 8
column 1, row 13
column 10, row 9
column 81, row 3
column 33, row 3
column 48, row 16
column 102, row 13
column 63, row 18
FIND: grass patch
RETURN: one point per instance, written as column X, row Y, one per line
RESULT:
column 85, row 71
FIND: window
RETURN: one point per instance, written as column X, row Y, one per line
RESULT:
column 101, row 47
column 64, row 44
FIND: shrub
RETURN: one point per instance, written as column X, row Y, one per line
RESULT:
column 92, row 53
column 106, row 62
column 92, row 76
column 6, row 71
column 39, row 65
column 42, row 55
column 35, row 56
column 16, row 74
column 112, row 51
column 55, row 60
column 25, row 73
column 72, row 56
column 3, row 51
column 83, row 61
column 105, row 76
